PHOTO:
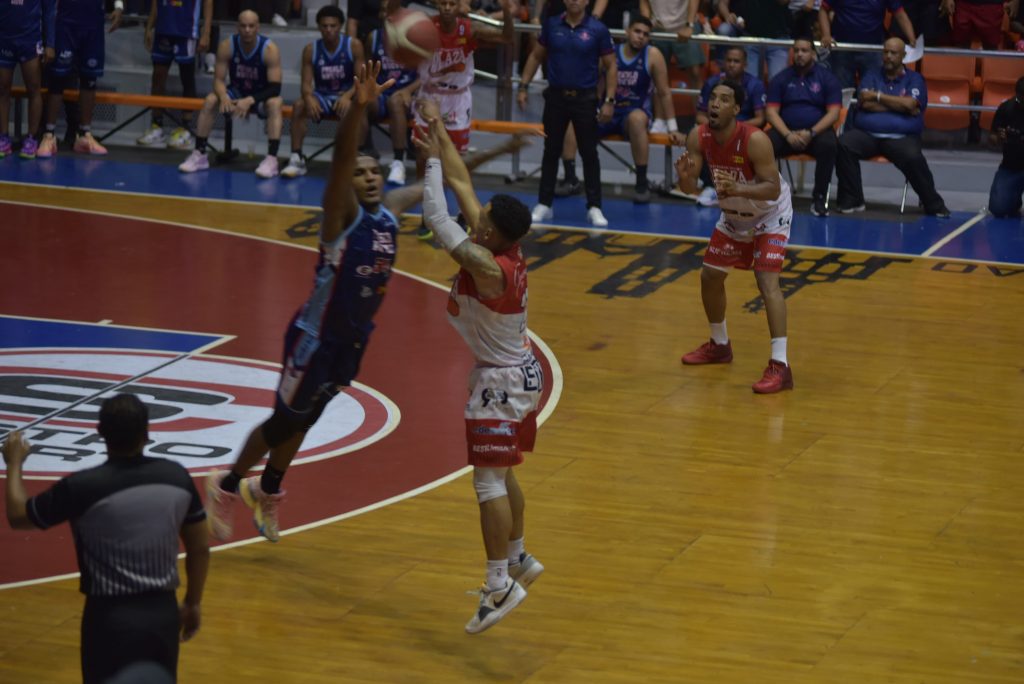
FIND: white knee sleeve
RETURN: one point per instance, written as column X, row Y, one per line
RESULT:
column 489, row 483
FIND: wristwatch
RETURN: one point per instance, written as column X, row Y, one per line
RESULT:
column 609, row 100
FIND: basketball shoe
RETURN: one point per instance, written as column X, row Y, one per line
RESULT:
column 396, row 173
column 154, row 136
column 777, row 376
column 219, row 506
column 181, row 139
column 709, row 352
column 197, row 161
column 5, row 146
column 263, row 505
column 296, row 166
column 87, row 144
column 495, row 604
column 526, row 570
column 268, row 168
column 29, row 147
column 47, row 146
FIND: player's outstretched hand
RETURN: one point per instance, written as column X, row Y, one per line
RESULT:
column 427, row 142
column 366, row 87
column 16, row 449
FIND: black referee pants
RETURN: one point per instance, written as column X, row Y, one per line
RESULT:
column 823, row 147
column 121, row 630
column 562, row 106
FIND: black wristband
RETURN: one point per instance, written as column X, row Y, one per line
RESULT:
column 267, row 92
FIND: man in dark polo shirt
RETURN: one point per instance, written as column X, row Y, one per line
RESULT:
column 888, row 120
column 859, row 21
column 1004, row 199
column 575, row 48
column 803, row 107
column 126, row 517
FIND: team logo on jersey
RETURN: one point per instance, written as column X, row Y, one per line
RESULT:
column 201, row 408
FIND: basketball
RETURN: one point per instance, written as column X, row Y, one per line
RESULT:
column 410, row 37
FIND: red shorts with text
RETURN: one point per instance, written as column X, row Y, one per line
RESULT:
column 767, row 252
column 501, row 414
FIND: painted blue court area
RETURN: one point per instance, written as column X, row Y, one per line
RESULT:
column 985, row 239
column 28, row 333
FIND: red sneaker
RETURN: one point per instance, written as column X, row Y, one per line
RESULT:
column 777, row 377
column 709, row 352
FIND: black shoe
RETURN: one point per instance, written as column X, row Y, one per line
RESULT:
column 568, row 188
column 939, row 212
column 818, row 207
column 850, row 208
column 424, row 233
column 642, row 195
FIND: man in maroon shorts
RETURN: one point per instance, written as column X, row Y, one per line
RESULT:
column 752, row 231
column 976, row 19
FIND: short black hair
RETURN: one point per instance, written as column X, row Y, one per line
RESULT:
column 731, row 48
column 641, row 19
column 804, row 38
column 738, row 94
column 330, row 11
column 510, row 216
column 124, row 422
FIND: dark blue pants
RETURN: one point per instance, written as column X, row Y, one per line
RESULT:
column 1004, row 199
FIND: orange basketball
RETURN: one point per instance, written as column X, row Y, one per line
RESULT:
column 410, row 37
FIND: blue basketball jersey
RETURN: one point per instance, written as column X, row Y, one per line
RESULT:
column 351, row 278
column 25, row 18
column 177, row 18
column 333, row 72
column 389, row 68
column 247, row 73
column 84, row 13
column 635, row 83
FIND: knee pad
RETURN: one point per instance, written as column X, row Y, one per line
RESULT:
column 280, row 427
column 489, row 483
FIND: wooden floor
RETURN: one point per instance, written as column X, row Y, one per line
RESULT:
column 867, row 527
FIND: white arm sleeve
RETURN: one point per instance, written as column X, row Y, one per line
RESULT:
column 435, row 209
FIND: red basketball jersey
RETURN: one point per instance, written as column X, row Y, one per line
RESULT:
column 450, row 69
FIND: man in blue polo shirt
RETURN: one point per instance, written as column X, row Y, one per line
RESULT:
column 575, row 48
column 859, row 21
column 803, row 107
column 888, row 121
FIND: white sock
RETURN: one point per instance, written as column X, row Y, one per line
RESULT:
column 719, row 333
column 497, row 573
column 779, row 349
column 516, row 547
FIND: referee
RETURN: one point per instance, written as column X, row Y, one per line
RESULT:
column 575, row 48
column 126, row 517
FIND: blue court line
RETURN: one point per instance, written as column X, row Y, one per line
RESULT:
column 910, row 235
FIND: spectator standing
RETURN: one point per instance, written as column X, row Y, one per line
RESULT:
column 803, row 107
column 859, row 21
column 126, row 517
column 803, row 15
column 1004, row 199
column 612, row 13
column 575, row 48
column 977, row 20
column 679, row 17
column 888, row 121
column 21, row 42
column 759, row 19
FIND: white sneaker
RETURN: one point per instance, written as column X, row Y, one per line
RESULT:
column 659, row 126
column 296, row 166
column 279, row 21
column 219, row 504
column 210, row 62
column 268, row 168
column 197, row 161
column 181, row 139
column 154, row 136
column 541, row 212
column 526, row 570
column 396, row 176
column 596, row 218
column 264, row 507
column 708, row 197
column 495, row 604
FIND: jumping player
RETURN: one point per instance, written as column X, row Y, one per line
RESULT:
column 252, row 64
column 173, row 34
column 487, row 306
column 328, row 67
column 21, row 33
column 78, row 44
column 753, row 228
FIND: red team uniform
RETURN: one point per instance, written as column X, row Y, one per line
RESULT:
column 749, row 232
column 447, row 78
column 505, row 386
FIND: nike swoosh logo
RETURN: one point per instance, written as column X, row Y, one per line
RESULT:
column 499, row 604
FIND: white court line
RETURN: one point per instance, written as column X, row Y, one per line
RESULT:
column 956, row 233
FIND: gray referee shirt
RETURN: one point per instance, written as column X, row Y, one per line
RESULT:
column 126, row 516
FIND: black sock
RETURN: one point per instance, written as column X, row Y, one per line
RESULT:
column 82, row 130
column 399, row 155
column 641, row 176
column 570, row 170
column 271, row 480
column 201, row 144
column 272, row 147
column 230, row 482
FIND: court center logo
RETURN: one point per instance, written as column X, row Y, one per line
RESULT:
column 201, row 408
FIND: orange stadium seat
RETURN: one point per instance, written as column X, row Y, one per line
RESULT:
column 950, row 79
column 998, row 76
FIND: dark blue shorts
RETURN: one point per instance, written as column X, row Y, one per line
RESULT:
column 78, row 48
column 15, row 51
column 314, row 370
column 617, row 126
column 173, row 48
column 327, row 101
